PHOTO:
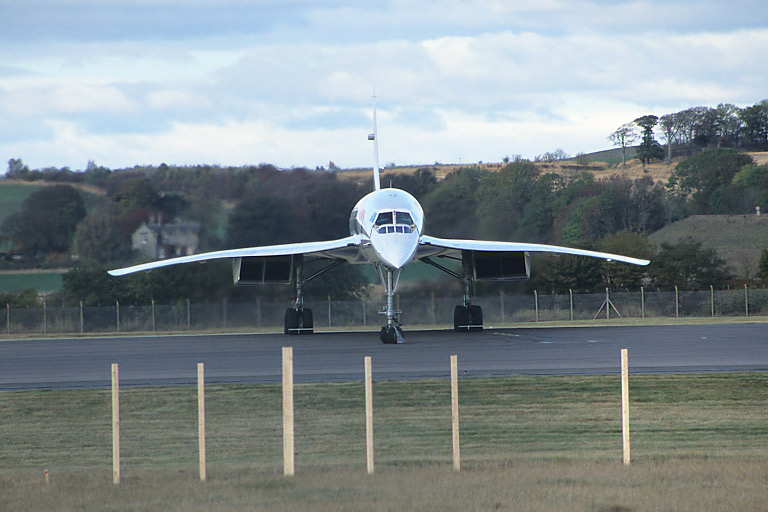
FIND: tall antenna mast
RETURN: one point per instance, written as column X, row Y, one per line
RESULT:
column 375, row 138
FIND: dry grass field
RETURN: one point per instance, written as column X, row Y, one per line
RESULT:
column 658, row 171
column 699, row 442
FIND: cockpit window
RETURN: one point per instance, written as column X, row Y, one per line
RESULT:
column 403, row 218
column 394, row 229
column 383, row 218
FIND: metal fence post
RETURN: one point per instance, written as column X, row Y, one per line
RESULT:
column 431, row 308
column 45, row 318
column 746, row 299
column 365, row 313
column 117, row 304
column 153, row 315
column 570, row 293
column 642, row 302
column 82, row 319
column 607, row 304
column 7, row 319
column 677, row 303
column 536, row 304
column 712, row 299
column 501, row 305
column 189, row 319
column 329, row 311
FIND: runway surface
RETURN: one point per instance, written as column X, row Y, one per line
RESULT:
column 247, row 358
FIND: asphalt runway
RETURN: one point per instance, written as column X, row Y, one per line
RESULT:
column 250, row 358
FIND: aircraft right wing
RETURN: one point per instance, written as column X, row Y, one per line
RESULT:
column 432, row 246
column 343, row 248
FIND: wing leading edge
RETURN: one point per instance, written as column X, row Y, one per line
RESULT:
column 431, row 246
column 338, row 249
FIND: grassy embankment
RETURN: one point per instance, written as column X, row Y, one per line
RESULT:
column 699, row 442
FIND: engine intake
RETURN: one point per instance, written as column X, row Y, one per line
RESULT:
column 501, row 266
column 251, row 271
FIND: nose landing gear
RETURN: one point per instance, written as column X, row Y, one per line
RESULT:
column 392, row 332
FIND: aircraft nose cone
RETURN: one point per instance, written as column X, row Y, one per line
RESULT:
column 395, row 250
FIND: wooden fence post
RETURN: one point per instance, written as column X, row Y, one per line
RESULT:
column 288, row 461
column 625, row 405
column 201, row 418
column 368, row 415
column 115, row 425
column 455, row 413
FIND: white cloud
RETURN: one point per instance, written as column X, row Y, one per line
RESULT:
column 475, row 80
column 67, row 98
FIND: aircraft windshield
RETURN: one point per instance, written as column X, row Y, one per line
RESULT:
column 394, row 222
column 403, row 218
column 383, row 218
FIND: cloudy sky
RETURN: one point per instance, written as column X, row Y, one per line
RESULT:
column 289, row 82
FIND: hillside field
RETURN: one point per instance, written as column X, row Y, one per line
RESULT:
column 738, row 239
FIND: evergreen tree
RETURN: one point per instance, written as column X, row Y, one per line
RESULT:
column 649, row 149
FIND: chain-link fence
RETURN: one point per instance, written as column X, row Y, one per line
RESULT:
column 498, row 310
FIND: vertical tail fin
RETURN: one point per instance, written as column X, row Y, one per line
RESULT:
column 375, row 138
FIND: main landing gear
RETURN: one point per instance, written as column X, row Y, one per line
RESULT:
column 467, row 316
column 298, row 319
column 392, row 332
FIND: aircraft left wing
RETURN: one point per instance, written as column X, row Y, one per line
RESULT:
column 343, row 248
column 431, row 246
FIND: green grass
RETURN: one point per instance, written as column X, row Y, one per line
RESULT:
column 699, row 442
column 40, row 281
column 11, row 197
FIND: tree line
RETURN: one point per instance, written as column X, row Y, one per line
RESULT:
column 724, row 126
column 257, row 205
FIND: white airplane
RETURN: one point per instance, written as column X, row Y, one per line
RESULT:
column 386, row 231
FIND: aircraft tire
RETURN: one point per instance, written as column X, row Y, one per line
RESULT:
column 308, row 324
column 390, row 335
column 460, row 318
column 475, row 318
column 291, row 321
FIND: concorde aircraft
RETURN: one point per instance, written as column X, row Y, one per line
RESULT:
column 386, row 231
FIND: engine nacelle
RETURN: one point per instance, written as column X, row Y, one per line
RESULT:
column 501, row 266
column 262, row 270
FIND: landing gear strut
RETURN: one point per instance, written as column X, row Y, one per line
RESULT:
column 392, row 332
column 298, row 319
